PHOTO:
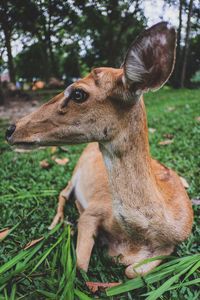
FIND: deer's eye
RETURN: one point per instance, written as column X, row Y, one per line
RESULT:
column 78, row 95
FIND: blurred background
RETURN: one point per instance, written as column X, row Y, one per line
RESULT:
column 47, row 44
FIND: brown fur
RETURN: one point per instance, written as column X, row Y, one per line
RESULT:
column 136, row 203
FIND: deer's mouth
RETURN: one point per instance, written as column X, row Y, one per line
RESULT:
column 31, row 145
column 24, row 145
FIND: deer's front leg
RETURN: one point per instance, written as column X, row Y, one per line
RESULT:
column 63, row 197
column 87, row 231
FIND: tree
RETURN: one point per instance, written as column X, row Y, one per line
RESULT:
column 107, row 28
column 12, row 15
column 187, row 42
column 75, row 36
column 186, row 47
column 176, row 74
column 7, row 23
column 55, row 16
column 32, row 63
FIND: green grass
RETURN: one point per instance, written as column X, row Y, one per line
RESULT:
column 28, row 199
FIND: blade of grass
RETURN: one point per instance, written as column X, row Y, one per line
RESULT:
column 27, row 255
column 193, row 269
column 47, row 294
column 13, row 292
column 178, row 286
column 81, row 295
column 68, row 292
column 166, row 285
column 24, row 195
column 16, row 225
column 148, row 260
column 5, row 295
column 156, row 275
column 70, row 270
column 11, row 263
column 54, row 262
column 188, row 283
column 46, row 253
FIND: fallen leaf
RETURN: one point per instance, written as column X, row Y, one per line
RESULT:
column 197, row 119
column 60, row 161
column 94, row 286
column 44, row 164
column 195, row 201
column 65, row 149
column 165, row 142
column 20, row 150
column 4, row 232
column 152, row 130
column 53, row 149
column 32, row 243
column 184, row 182
column 170, row 108
column 168, row 136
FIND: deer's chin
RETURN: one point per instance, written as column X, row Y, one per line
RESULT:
column 25, row 146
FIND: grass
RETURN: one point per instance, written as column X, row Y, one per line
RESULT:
column 28, row 198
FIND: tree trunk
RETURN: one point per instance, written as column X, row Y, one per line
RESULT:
column 186, row 48
column 1, row 95
column 176, row 77
column 9, row 54
column 7, row 30
column 53, row 66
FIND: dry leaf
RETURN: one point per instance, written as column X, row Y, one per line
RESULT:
column 165, row 142
column 170, row 108
column 4, row 232
column 94, row 286
column 184, row 182
column 168, row 136
column 21, row 150
column 32, row 243
column 65, row 149
column 152, row 130
column 53, row 149
column 44, row 164
column 197, row 119
column 196, row 201
column 60, row 161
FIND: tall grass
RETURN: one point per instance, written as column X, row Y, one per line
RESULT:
column 23, row 267
column 174, row 274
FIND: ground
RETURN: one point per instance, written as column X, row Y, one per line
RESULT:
column 28, row 199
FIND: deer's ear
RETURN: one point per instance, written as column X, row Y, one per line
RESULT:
column 150, row 59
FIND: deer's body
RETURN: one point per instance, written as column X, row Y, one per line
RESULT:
column 136, row 203
column 145, row 223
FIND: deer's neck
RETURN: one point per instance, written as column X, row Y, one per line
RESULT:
column 128, row 163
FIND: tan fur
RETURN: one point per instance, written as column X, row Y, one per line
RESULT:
column 137, row 204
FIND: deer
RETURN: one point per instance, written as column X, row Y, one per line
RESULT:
column 136, row 204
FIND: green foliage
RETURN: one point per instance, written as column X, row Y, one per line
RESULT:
column 73, row 37
column 108, row 28
column 32, row 62
column 194, row 60
column 66, row 38
column 28, row 199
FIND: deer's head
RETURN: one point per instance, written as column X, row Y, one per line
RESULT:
column 95, row 107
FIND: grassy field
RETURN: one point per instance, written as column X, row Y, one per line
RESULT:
column 28, row 199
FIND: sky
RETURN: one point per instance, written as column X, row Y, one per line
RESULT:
column 153, row 10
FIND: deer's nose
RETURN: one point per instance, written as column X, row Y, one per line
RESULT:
column 10, row 131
